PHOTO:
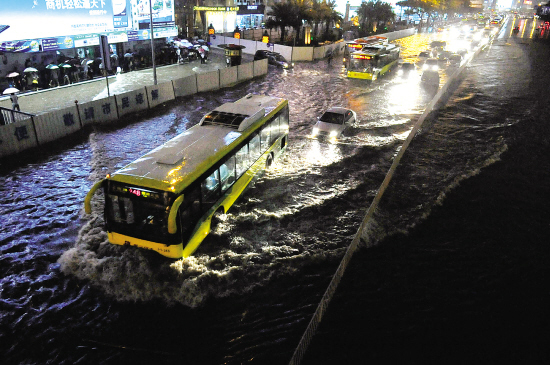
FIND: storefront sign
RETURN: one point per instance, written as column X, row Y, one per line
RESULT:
column 86, row 40
column 251, row 9
column 21, row 46
column 52, row 44
column 216, row 8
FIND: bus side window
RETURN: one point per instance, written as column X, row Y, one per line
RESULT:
column 210, row 190
column 275, row 129
column 227, row 173
column 265, row 138
column 283, row 121
column 254, row 149
column 190, row 212
column 242, row 160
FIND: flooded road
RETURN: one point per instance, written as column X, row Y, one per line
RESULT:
column 248, row 293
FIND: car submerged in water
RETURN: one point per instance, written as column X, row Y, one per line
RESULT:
column 333, row 123
column 273, row 58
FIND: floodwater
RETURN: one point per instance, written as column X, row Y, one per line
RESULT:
column 246, row 296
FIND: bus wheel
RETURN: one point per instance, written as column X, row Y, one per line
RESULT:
column 268, row 161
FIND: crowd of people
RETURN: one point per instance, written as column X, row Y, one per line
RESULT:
column 66, row 70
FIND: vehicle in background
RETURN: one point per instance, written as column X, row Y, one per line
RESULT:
column 455, row 59
column 431, row 64
column 333, row 123
column 273, row 58
column 407, row 69
column 430, row 78
column 424, row 55
column 357, row 45
column 372, row 61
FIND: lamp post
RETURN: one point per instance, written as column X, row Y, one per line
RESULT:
column 152, row 41
column 211, row 31
column 237, row 33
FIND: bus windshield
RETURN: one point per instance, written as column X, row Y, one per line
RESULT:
column 361, row 63
column 137, row 211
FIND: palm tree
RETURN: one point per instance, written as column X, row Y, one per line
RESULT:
column 300, row 15
column 383, row 12
column 331, row 16
column 279, row 17
column 366, row 14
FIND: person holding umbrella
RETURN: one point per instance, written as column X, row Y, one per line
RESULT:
column 54, row 74
column 14, row 99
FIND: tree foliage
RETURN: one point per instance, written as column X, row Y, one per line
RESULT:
column 296, row 13
column 372, row 13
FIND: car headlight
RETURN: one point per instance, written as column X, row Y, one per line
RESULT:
column 333, row 134
column 315, row 131
column 435, row 68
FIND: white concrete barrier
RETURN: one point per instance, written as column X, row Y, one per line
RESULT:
column 263, row 46
column 319, row 52
column 185, row 86
column 208, row 81
column 100, row 111
column 215, row 42
column 250, row 46
column 228, row 76
column 160, row 93
column 131, row 101
column 302, row 54
column 245, row 71
column 57, row 124
column 17, row 137
column 260, row 67
column 285, row 51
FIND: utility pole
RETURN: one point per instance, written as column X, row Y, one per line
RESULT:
column 152, row 41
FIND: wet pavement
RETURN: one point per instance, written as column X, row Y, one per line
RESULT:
column 46, row 100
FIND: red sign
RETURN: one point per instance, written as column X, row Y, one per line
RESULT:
column 361, row 57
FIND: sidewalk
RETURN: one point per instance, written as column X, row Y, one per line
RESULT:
column 44, row 101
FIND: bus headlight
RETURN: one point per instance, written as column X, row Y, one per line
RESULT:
column 315, row 131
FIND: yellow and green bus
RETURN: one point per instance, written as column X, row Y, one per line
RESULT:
column 169, row 199
column 372, row 61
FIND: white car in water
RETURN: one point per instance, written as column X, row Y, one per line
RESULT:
column 333, row 122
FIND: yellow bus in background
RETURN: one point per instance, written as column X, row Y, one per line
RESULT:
column 372, row 61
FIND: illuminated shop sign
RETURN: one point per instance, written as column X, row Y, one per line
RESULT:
column 251, row 9
column 215, row 8
column 20, row 46
column 361, row 57
column 52, row 44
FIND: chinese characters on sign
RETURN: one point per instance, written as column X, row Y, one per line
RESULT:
column 74, row 4
column 21, row 133
column 68, row 119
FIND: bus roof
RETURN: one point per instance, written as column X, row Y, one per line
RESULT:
column 178, row 162
column 376, row 49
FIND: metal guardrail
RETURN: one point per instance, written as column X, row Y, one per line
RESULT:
column 8, row 116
